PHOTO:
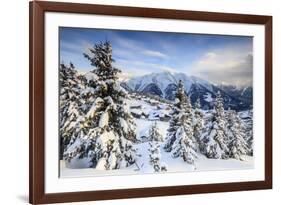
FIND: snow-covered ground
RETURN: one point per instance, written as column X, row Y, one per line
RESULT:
column 173, row 165
column 142, row 165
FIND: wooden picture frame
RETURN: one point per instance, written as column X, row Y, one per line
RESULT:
column 37, row 108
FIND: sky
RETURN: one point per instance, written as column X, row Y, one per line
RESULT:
column 219, row 59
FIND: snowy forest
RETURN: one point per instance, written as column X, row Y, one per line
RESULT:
column 106, row 128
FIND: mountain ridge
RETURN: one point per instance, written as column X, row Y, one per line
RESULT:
column 164, row 85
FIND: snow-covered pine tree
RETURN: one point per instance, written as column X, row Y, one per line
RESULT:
column 110, row 128
column 154, row 133
column 174, row 122
column 70, row 88
column 155, row 157
column 238, row 146
column 250, row 142
column 248, row 126
column 87, row 95
column 198, row 123
column 215, row 140
column 154, row 149
column 184, row 145
column 84, row 134
column 229, row 123
column 180, row 132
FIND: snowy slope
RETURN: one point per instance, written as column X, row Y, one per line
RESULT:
column 173, row 165
column 79, row 167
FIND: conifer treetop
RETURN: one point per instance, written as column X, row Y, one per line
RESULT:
column 100, row 57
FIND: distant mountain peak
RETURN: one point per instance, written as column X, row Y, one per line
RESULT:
column 164, row 84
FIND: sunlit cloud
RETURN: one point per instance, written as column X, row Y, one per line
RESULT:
column 225, row 66
column 138, row 68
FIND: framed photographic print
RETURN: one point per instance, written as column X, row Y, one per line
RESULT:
column 139, row 102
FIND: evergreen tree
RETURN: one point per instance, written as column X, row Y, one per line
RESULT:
column 87, row 96
column 180, row 132
column 248, row 127
column 154, row 133
column 108, row 125
column 250, row 142
column 69, row 109
column 175, row 123
column 229, row 124
column 154, row 149
column 184, row 145
column 215, row 140
column 238, row 146
column 198, row 123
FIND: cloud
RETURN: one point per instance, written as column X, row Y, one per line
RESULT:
column 211, row 55
column 124, row 76
column 126, row 43
column 79, row 46
column 154, row 54
column 125, row 46
column 72, row 51
column 138, row 68
column 226, row 66
column 65, row 45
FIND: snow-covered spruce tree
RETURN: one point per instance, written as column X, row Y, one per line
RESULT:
column 110, row 128
column 250, row 142
column 87, row 94
column 215, row 141
column 154, row 133
column 175, row 123
column 70, row 88
column 84, row 125
column 248, row 127
column 155, row 157
column 181, row 141
column 229, row 123
column 238, row 146
column 154, row 149
column 198, row 122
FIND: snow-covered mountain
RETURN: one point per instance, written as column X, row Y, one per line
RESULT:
column 163, row 80
column 243, row 93
column 165, row 84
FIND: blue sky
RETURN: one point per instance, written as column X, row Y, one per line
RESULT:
column 217, row 58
